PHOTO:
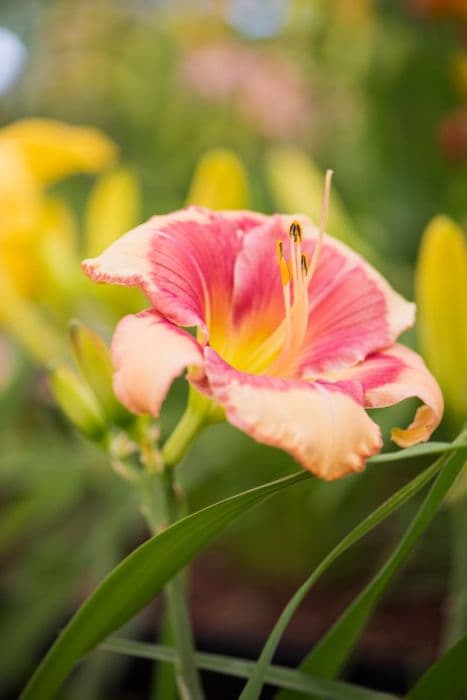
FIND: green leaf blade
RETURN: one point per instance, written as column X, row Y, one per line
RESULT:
column 240, row 668
column 253, row 688
column 136, row 580
column 329, row 655
column 446, row 678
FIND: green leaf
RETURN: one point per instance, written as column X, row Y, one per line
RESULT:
column 446, row 678
column 422, row 450
column 253, row 688
column 136, row 580
column 328, row 657
column 276, row 675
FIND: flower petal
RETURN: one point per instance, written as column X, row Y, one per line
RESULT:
column 184, row 262
column 322, row 425
column 394, row 375
column 257, row 304
column 353, row 310
column 148, row 352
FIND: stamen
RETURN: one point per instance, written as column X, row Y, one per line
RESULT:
column 284, row 270
column 296, row 231
column 322, row 224
column 296, row 236
column 293, row 232
column 280, row 351
column 285, row 281
column 280, row 250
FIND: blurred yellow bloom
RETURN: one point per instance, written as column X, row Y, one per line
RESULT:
column 353, row 14
column 54, row 150
column 459, row 71
column 220, row 181
column 113, row 207
column 34, row 152
column 56, row 276
column 441, row 291
column 38, row 237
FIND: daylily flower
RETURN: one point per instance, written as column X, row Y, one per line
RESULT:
column 295, row 333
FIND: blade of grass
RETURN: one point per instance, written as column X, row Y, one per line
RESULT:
column 276, row 675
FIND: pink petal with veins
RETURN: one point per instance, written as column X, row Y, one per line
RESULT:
column 184, row 262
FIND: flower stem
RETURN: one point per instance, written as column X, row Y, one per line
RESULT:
column 160, row 507
column 200, row 411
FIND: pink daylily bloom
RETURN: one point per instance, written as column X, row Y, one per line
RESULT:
column 296, row 333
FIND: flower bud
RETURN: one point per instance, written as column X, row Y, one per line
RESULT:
column 220, row 181
column 441, row 295
column 77, row 402
column 92, row 357
column 112, row 209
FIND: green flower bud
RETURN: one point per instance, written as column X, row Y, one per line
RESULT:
column 92, row 357
column 77, row 402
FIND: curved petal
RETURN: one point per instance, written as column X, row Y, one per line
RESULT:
column 353, row 310
column 322, row 425
column 394, row 375
column 184, row 262
column 148, row 352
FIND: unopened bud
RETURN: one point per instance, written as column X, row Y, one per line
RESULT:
column 77, row 402
column 92, row 357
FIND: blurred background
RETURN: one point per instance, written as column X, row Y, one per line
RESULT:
column 230, row 104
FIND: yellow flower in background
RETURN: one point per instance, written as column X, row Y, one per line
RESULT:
column 54, row 150
column 19, row 191
column 220, row 181
column 39, row 244
column 33, row 153
column 459, row 73
column 441, row 295
column 112, row 208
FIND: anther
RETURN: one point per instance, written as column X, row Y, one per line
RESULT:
column 304, row 264
column 295, row 231
column 280, row 250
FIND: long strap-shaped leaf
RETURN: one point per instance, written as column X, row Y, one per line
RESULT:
column 447, row 678
column 253, row 688
column 132, row 584
column 328, row 657
column 277, row 675
column 136, row 580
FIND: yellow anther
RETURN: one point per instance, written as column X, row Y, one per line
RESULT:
column 280, row 250
column 285, row 275
column 295, row 231
column 304, row 264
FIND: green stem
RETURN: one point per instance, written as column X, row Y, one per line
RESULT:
column 199, row 413
column 189, row 426
column 160, row 498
